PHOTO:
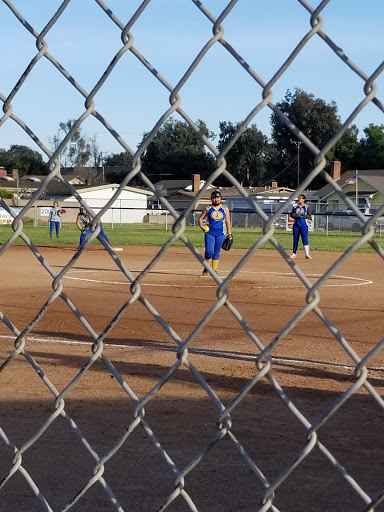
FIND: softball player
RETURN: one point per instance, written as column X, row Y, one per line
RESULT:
column 301, row 214
column 54, row 218
column 219, row 223
column 83, row 221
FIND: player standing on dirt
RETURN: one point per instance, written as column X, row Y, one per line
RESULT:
column 219, row 222
column 54, row 218
column 301, row 214
column 83, row 222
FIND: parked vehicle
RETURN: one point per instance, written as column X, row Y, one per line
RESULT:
column 247, row 218
column 341, row 220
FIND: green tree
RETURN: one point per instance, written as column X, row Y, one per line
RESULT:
column 23, row 158
column 118, row 159
column 370, row 154
column 318, row 120
column 177, row 153
column 248, row 159
column 121, row 163
column 347, row 149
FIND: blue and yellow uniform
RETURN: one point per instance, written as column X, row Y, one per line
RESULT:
column 219, row 222
column 300, row 227
column 214, row 238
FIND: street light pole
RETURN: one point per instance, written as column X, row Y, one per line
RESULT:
column 297, row 143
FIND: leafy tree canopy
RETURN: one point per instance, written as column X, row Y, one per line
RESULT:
column 118, row 159
column 177, row 153
column 23, row 158
column 248, row 159
column 317, row 119
column 370, row 154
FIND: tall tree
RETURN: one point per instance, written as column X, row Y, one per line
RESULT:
column 118, row 159
column 23, row 158
column 318, row 120
column 248, row 159
column 370, row 154
column 176, row 153
column 96, row 156
column 347, row 149
column 117, row 166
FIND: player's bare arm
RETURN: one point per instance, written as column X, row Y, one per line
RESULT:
column 201, row 218
column 228, row 221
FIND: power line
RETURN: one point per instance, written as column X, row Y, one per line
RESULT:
column 281, row 172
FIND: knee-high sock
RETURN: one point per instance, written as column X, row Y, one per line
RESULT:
column 306, row 250
column 209, row 262
column 215, row 264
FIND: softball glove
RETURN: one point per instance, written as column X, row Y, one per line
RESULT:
column 227, row 244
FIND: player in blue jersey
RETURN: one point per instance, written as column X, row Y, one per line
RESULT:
column 218, row 225
column 83, row 221
column 301, row 214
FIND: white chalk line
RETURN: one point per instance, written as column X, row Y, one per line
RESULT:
column 360, row 281
column 223, row 354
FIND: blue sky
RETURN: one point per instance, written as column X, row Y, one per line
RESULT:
column 169, row 35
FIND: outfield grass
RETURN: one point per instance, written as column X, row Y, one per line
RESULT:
column 154, row 235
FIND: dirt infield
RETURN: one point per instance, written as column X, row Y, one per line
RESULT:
column 308, row 363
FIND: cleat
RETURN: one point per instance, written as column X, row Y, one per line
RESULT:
column 307, row 257
column 293, row 256
column 204, row 273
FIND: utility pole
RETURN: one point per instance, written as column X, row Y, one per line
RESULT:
column 102, row 164
column 297, row 143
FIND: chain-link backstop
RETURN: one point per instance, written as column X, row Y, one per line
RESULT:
column 14, row 465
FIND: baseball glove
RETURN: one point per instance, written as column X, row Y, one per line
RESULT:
column 63, row 211
column 227, row 244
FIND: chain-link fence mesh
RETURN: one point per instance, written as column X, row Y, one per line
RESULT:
column 17, row 468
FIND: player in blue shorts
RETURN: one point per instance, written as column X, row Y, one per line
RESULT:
column 83, row 221
column 300, row 213
column 219, row 223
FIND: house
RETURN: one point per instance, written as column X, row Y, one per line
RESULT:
column 179, row 193
column 23, row 187
column 269, row 198
column 181, row 198
column 131, row 205
column 364, row 187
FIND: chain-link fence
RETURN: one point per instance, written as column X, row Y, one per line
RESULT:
column 16, row 465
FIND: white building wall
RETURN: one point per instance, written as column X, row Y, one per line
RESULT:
column 130, row 207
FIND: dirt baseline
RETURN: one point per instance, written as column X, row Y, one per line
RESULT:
column 261, row 436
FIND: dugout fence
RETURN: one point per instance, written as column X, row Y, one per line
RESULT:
column 269, row 484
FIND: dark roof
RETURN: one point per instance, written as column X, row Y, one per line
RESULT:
column 227, row 192
column 54, row 188
column 373, row 177
column 172, row 184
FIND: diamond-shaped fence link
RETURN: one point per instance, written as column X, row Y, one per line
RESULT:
column 263, row 354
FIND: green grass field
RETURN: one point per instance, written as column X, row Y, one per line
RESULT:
column 154, row 235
